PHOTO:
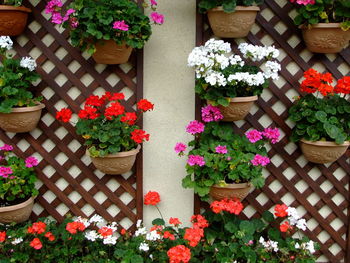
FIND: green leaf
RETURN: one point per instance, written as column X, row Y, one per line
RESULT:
column 268, row 216
column 158, row 222
column 321, row 116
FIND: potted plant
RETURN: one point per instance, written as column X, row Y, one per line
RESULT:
column 325, row 24
column 13, row 17
column 221, row 163
column 20, row 111
column 111, row 135
column 17, row 186
column 108, row 32
column 229, row 81
column 230, row 18
column 322, row 122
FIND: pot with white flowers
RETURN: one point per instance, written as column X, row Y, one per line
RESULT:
column 17, row 186
column 229, row 81
column 112, row 137
column 13, row 17
column 20, row 110
column 109, row 32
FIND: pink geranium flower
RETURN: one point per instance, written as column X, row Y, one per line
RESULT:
column 195, row 127
column 6, row 148
column 31, row 162
column 304, row 2
column 180, row 148
column 272, row 134
column 52, row 6
column 253, row 136
column 211, row 113
column 154, row 2
column 221, row 149
column 120, row 25
column 157, row 18
column 5, row 171
column 260, row 160
column 195, row 160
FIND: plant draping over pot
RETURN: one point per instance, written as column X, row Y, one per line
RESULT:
column 17, row 186
column 325, row 24
column 111, row 135
column 13, row 17
column 322, row 122
column 106, row 29
column 230, row 18
column 227, row 80
column 220, row 157
column 20, row 111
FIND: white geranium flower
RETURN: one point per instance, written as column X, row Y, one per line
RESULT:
column 110, row 240
column 141, row 231
column 6, row 42
column 17, row 241
column 96, row 219
column 91, row 235
column 144, row 246
column 153, row 236
column 29, row 63
column 310, row 246
column 301, row 224
column 85, row 221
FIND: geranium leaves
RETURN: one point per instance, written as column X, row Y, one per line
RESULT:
column 228, row 5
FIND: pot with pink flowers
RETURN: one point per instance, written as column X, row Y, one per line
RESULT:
column 222, row 164
column 109, row 33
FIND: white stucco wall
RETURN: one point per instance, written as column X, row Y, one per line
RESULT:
column 169, row 84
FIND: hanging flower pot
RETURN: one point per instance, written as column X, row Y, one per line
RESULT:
column 118, row 163
column 325, row 38
column 230, row 191
column 13, row 19
column 323, row 151
column 236, row 24
column 16, row 213
column 22, row 119
column 109, row 52
column 238, row 108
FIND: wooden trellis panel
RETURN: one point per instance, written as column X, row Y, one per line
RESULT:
column 319, row 192
column 69, row 182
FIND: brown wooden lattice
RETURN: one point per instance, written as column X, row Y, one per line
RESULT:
column 69, row 182
column 321, row 192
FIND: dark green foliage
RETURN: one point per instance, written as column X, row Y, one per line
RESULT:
column 228, row 5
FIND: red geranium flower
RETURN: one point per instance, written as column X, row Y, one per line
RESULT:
column 50, row 236
column 74, row 227
column 152, row 198
column 281, row 210
column 117, row 96
column 115, row 109
column 129, row 118
column 2, row 236
column 88, row 113
column 179, row 254
column 228, row 205
column 105, row 231
column 64, row 115
column 139, row 136
column 123, row 232
column 199, row 221
column 94, row 100
column 194, row 235
column 285, row 227
column 145, row 105
column 168, row 235
column 343, row 85
column 37, row 228
column 36, row 243
column 174, row 221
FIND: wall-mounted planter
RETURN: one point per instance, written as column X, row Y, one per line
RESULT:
column 22, row 119
column 118, row 163
column 109, row 52
column 323, row 151
column 13, row 19
column 326, row 38
column 232, row 25
column 230, row 191
column 17, row 213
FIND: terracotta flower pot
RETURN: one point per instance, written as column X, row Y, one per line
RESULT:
column 16, row 213
column 118, row 163
column 239, row 108
column 13, row 20
column 323, row 152
column 230, row 191
column 325, row 38
column 232, row 25
column 23, row 119
column 109, row 52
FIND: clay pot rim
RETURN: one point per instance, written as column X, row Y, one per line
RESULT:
column 244, row 99
column 18, row 206
column 40, row 106
column 15, row 8
column 238, row 8
column 233, row 186
column 120, row 154
column 321, row 25
column 325, row 143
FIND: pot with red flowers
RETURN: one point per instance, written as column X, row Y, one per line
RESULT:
column 321, row 117
column 111, row 135
column 17, row 186
column 222, row 164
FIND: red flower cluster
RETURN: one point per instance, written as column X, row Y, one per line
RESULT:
column 2, row 236
column 174, row 221
column 74, row 227
column 139, row 136
column 281, row 210
column 168, row 235
column 123, row 231
column 94, row 100
column 145, row 105
column 179, row 254
column 37, row 228
column 129, row 118
column 232, row 206
column 115, row 109
column 88, row 113
column 194, row 235
column 64, row 115
column 199, row 221
column 152, row 198
column 343, row 85
column 36, row 243
column 315, row 81
column 105, row 231
column 49, row 236
column 285, row 227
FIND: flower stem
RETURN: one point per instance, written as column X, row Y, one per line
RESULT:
column 160, row 213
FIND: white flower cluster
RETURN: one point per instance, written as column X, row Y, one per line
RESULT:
column 29, row 63
column 150, row 236
column 6, row 42
column 211, row 59
column 270, row 245
column 310, row 246
column 17, row 241
column 93, row 235
column 295, row 219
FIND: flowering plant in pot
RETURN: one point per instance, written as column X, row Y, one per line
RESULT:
column 13, row 17
column 322, row 122
column 111, row 135
column 20, row 111
column 229, row 81
column 110, row 31
column 17, row 186
column 325, row 24
column 230, row 18
column 221, row 161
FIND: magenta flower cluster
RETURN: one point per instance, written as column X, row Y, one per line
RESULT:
column 211, row 113
column 121, row 25
column 221, row 149
column 31, row 162
column 195, row 160
column 271, row 134
column 180, row 148
column 304, row 2
column 54, row 7
column 5, row 172
column 6, row 148
column 157, row 18
column 195, row 127
column 260, row 160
